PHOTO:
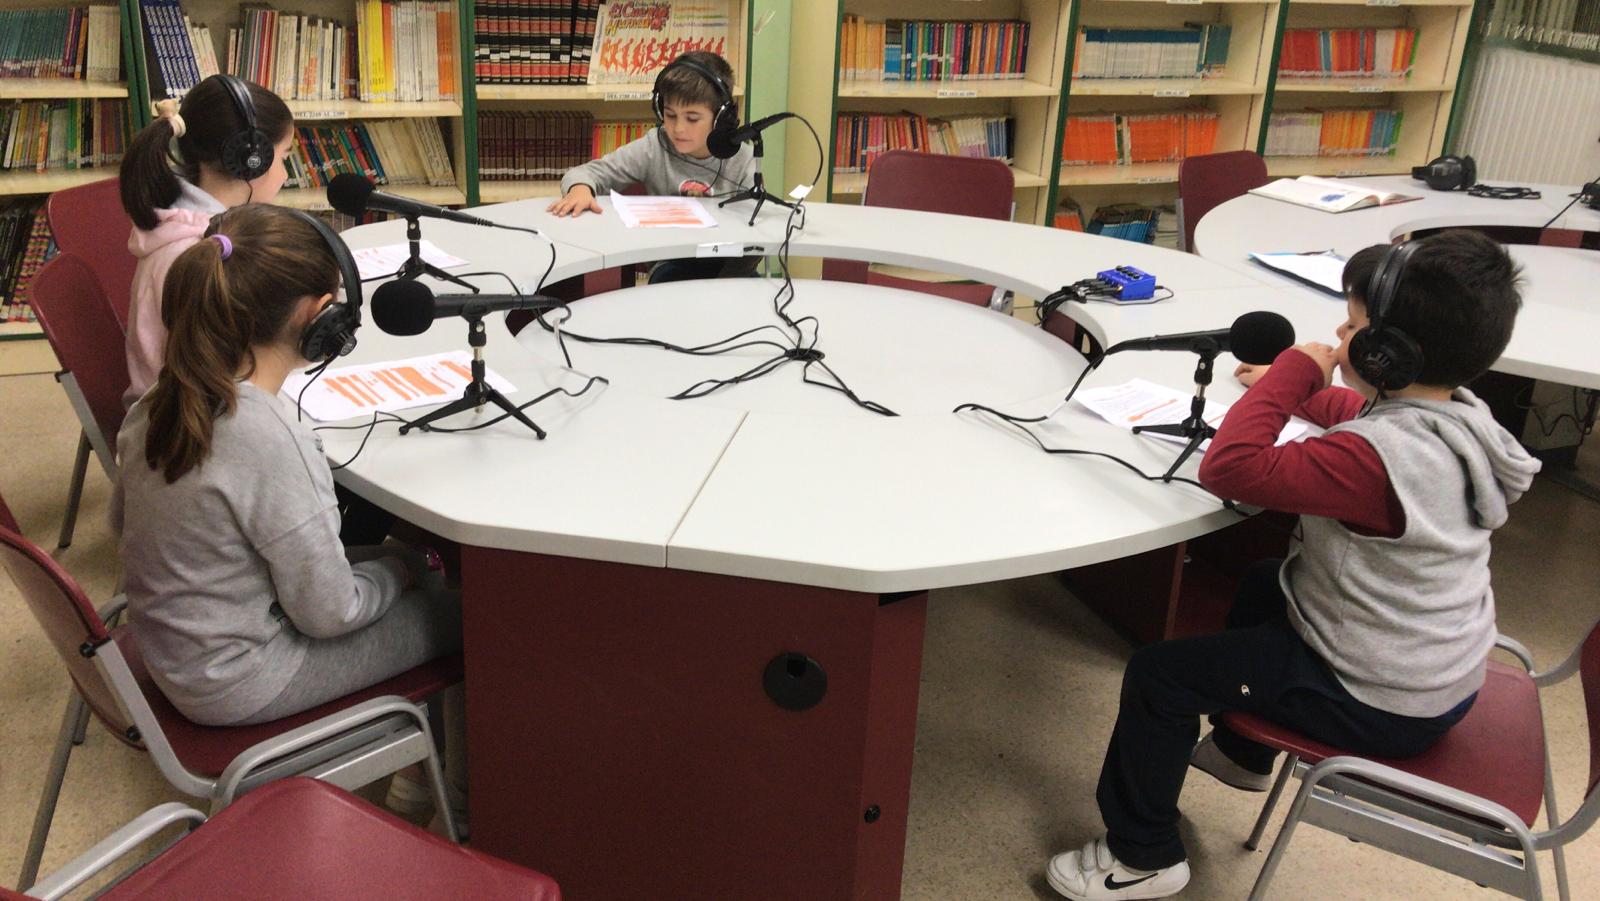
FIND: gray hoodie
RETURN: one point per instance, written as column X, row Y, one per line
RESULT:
column 1407, row 623
column 654, row 163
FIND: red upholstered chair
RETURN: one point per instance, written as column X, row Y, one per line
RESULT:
column 298, row 838
column 87, row 339
column 933, row 183
column 1467, row 805
column 1205, row 182
column 89, row 221
column 351, row 742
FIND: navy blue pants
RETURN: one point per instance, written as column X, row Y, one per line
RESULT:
column 1258, row 666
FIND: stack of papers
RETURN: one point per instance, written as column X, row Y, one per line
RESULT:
column 1328, row 195
column 1139, row 402
column 661, row 212
column 345, row 392
column 1323, row 270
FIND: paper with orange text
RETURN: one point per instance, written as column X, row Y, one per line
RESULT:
column 661, row 212
column 344, row 392
column 1138, row 402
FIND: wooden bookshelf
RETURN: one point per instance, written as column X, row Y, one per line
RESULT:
column 1424, row 98
column 614, row 102
column 1032, row 102
column 219, row 15
column 60, row 89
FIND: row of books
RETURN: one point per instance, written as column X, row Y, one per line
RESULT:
column 390, row 151
column 36, row 135
column 1200, row 51
column 1345, row 132
column 25, row 245
column 635, row 39
column 533, row 145
column 169, row 40
column 534, row 41
column 608, row 136
column 1121, row 139
column 924, row 50
column 296, row 57
column 1128, row 221
column 1347, row 52
column 407, row 50
column 863, row 137
column 83, row 42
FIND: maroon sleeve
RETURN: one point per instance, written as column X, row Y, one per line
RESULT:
column 1339, row 476
column 1331, row 406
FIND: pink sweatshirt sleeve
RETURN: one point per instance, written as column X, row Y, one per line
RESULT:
column 147, row 336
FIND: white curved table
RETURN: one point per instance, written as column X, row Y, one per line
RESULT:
column 642, row 588
column 1560, row 318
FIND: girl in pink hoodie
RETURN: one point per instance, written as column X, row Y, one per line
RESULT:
column 173, row 180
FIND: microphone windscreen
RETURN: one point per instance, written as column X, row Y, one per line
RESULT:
column 403, row 307
column 722, row 144
column 348, row 194
column 1259, row 336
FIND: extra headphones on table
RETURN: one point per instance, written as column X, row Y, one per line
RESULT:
column 1448, row 173
column 248, row 152
column 726, row 118
column 1384, row 356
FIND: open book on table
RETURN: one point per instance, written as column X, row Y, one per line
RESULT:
column 1329, row 195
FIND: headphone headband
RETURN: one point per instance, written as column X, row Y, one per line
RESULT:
column 1384, row 356
column 1385, row 282
column 248, row 152
column 333, row 332
column 726, row 116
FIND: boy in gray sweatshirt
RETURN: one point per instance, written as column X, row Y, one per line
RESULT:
column 1373, row 634
column 692, row 94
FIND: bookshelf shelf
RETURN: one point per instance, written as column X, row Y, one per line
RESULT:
column 1350, row 166
column 592, row 93
column 48, row 182
column 323, row 110
column 949, row 90
column 1176, row 88
column 317, row 198
column 1133, row 174
column 507, row 191
column 1363, row 85
column 855, row 183
column 10, row 330
column 60, row 89
column 1364, row 4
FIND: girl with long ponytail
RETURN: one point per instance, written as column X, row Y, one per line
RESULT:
column 244, row 604
column 173, row 179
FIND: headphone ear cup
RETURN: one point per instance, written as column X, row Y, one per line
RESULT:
column 247, row 154
column 1385, row 358
column 330, row 334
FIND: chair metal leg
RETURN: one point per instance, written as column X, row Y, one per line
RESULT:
column 1281, row 844
column 441, row 796
column 76, row 715
column 1289, row 763
column 1552, row 817
column 75, row 493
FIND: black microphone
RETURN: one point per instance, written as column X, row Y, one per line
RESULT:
column 407, row 307
column 354, row 195
column 724, row 144
column 1256, row 337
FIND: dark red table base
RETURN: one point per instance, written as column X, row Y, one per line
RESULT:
column 620, row 738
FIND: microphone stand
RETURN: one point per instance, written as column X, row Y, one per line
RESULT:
column 478, row 391
column 415, row 266
column 758, row 186
column 1194, row 426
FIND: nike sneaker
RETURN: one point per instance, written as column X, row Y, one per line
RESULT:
column 1092, row 873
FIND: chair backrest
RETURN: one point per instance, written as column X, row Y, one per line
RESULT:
column 89, row 221
column 932, row 183
column 1205, row 182
column 85, row 335
column 1589, row 675
column 67, row 618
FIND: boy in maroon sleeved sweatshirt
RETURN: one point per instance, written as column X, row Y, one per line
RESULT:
column 1373, row 634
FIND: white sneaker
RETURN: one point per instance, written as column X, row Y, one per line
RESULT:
column 1208, row 758
column 407, row 797
column 1092, row 874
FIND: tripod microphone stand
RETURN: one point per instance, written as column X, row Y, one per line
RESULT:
column 758, row 186
column 478, row 391
column 415, row 266
column 1194, row 426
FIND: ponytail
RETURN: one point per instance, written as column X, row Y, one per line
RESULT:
column 229, row 293
column 151, row 170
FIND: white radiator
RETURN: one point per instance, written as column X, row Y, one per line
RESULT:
column 1532, row 118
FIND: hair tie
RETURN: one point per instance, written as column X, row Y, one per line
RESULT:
column 227, row 244
column 168, row 109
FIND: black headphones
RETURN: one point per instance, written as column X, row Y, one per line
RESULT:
column 247, row 153
column 1384, row 356
column 333, row 332
column 1448, row 173
column 726, row 118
